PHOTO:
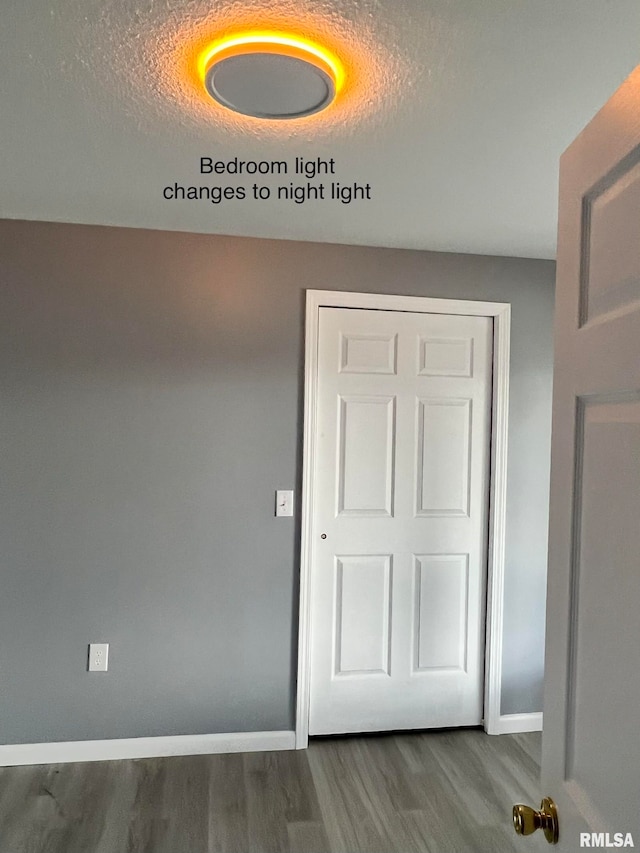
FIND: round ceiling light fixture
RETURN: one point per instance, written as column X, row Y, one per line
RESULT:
column 271, row 75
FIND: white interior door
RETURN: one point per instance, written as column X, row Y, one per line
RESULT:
column 400, row 518
column 591, row 743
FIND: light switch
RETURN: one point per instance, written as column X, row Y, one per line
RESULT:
column 284, row 503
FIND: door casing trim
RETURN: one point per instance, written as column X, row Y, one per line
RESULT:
column 501, row 314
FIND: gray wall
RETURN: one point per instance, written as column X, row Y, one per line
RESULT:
column 150, row 404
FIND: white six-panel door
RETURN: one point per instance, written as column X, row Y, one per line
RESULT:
column 591, row 745
column 400, row 496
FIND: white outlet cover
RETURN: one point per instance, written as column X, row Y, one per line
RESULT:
column 98, row 657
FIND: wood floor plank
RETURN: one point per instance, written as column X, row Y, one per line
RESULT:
column 307, row 837
column 351, row 820
column 146, row 822
column 68, row 811
column 185, row 805
column 388, row 788
column 475, row 781
column 28, row 814
column 119, row 800
column 383, row 758
column 227, row 805
column 276, row 797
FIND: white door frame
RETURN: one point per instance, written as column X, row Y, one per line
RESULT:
column 501, row 314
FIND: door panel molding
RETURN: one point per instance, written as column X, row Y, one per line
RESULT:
column 431, row 623
column 459, row 408
column 501, row 314
column 383, row 452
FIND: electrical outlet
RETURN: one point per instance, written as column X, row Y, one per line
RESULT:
column 98, row 657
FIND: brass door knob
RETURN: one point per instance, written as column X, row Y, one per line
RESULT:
column 526, row 820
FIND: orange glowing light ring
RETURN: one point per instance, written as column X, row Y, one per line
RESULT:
column 269, row 42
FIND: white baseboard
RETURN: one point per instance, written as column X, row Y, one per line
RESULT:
column 509, row 724
column 143, row 747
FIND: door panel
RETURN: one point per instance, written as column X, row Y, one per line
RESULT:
column 445, row 357
column 440, row 619
column 611, row 243
column 365, row 468
column 363, row 621
column 444, row 432
column 400, row 494
column 605, row 593
column 591, row 749
column 368, row 353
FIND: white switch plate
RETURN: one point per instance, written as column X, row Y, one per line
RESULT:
column 98, row 657
column 284, row 503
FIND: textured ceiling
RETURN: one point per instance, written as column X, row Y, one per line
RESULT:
column 455, row 113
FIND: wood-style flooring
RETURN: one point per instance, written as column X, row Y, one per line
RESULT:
column 436, row 792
